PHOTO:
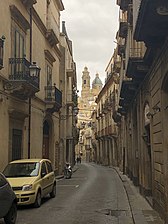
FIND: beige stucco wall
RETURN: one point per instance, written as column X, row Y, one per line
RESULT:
column 10, row 106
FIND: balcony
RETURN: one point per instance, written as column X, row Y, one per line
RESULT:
column 112, row 130
column 117, row 65
column 130, row 14
column 104, row 109
column 123, row 4
column 23, row 83
column 121, row 50
column 123, row 29
column 116, row 117
column 53, row 99
column 52, row 34
column 107, row 103
column 127, row 94
column 152, row 23
column 71, row 72
column 72, row 98
column 122, row 111
column 135, row 66
column 1, row 51
column 111, row 99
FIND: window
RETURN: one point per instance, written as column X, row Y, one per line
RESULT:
column 49, row 167
column 49, row 75
column 84, row 81
column 21, row 170
column 18, row 44
column 18, row 41
column 49, row 88
column 43, row 169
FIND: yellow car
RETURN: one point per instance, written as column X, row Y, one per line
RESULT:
column 31, row 180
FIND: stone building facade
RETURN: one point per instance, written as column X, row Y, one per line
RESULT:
column 31, row 96
column 143, row 101
column 137, row 77
column 69, row 110
column 106, row 131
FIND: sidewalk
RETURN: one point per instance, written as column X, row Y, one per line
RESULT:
column 142, row 212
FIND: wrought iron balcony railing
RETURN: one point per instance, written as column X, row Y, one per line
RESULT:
column 53, row 96
column 24, row 78
column 72, row 98
column 20, row 72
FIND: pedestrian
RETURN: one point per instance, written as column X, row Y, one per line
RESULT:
column 77, row 159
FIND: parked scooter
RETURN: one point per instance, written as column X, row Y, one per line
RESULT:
column 67, row 171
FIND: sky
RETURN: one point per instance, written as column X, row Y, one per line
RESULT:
column 92, row 27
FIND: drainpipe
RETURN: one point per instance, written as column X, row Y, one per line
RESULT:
column 29, row 101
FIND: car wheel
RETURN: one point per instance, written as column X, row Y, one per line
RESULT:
column 53, row 192
column 10, row 218
column 37, row 203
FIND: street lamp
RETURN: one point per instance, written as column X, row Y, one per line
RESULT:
column 34, row 70
column 34, row 74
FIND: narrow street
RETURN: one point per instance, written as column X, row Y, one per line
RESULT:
column 94, row 194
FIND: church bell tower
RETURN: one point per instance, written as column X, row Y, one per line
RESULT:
column 85, row 83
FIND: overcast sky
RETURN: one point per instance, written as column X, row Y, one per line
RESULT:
column 92, row 27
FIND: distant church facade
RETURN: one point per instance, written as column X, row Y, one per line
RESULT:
column 86, row 105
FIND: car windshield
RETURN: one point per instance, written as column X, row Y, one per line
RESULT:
column 22, row 169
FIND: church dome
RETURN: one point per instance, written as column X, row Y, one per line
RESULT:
column 97, row 81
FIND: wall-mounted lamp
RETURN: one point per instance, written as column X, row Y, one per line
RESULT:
column 156, row 109
column 149, row 115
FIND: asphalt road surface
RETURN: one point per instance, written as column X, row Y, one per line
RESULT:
column 94, row 195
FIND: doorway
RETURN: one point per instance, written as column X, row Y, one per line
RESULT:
column 46, row 140
column 16, row 144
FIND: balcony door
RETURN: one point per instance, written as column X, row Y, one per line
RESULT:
column 49, row 93
column 18, row 41
column 49, row 75
column 18, row 51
